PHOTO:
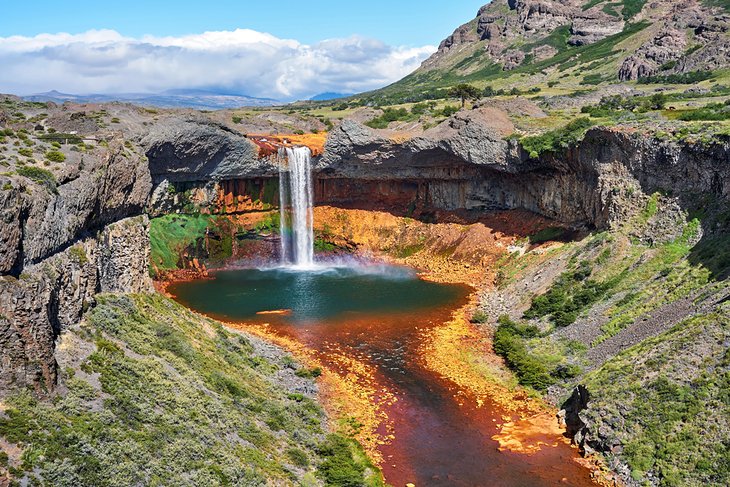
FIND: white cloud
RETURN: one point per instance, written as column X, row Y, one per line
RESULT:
column 246, row 61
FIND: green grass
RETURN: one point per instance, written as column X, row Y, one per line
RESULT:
column 346, row 465
column 667, row 410
column 632, row 7
column 680, row 78
column 165, row 397
column 711, row 112
column 556, row 140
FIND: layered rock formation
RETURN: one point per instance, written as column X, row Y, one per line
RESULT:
column 60, row 246
column 52, row 294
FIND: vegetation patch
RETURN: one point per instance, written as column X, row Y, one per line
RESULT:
column 167, row 397
column 679, row 78
column 558, row 139
column 40, row 176
column 170, row 235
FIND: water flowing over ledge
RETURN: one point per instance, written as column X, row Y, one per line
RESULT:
column 297, row 219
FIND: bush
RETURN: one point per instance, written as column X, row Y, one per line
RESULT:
column 679, row 79
column 710, row 112
column 389, row 115
column 480, row 317
column 340, row 467
column 55, row 156
column 309, row 373
column 40, row 176
column 508, row 344
column 556, row 140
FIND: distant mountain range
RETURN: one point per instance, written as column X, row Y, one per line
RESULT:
column 198, row 99
column 329, row 96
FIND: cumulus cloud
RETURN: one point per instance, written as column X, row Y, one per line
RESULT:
column 242, row 61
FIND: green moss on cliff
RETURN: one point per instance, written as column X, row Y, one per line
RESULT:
column 170, row 235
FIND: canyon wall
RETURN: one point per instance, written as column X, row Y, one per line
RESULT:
column 463, row 164
column 62, row 244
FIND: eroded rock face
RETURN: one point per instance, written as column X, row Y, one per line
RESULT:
column 463, row 164
column 199, row 150
column 669, row 45
column 52, row 295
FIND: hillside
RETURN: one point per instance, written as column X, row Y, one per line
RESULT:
column 573, row 44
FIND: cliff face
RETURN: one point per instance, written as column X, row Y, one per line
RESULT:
column 52, row 294
column 467, row 166
column 463, row 164
column 60, row 246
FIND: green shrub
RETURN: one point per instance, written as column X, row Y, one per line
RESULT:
column 389, row 115
column 479, row 317
column 508, row 344
column 312, row 373
column 40, row 176
column 556, row 140
column 344, row 464
column 711, row 111
column 79, row 254
column 55, row 156
column 679, row 79
column 572, row 293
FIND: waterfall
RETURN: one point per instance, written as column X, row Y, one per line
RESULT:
column 296, row 201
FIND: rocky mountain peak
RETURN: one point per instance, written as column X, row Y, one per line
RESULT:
column 513, row 33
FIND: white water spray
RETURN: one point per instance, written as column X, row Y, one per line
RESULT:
column 296, row 201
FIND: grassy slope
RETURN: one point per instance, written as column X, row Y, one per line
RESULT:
column 156, row 395
column 665, row 399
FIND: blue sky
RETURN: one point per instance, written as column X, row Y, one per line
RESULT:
column 394, row 22
column 284, row 49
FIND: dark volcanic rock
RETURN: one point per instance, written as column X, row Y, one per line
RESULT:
column 200, row 150
column 52, row 295
column 465, row 164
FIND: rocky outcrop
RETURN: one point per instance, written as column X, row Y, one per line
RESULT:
column 61, row 242
column 591, row 28
column 569, row 415
column 669, row 45
column 686, row 37
column 52, row 295
column 465, row 165
column 196, row 149
column 36, row 222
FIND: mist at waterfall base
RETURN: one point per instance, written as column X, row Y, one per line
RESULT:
column 296, row 227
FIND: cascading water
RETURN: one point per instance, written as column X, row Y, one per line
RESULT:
column 296, row 200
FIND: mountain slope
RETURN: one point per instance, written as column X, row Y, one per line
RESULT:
column 598, row 41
